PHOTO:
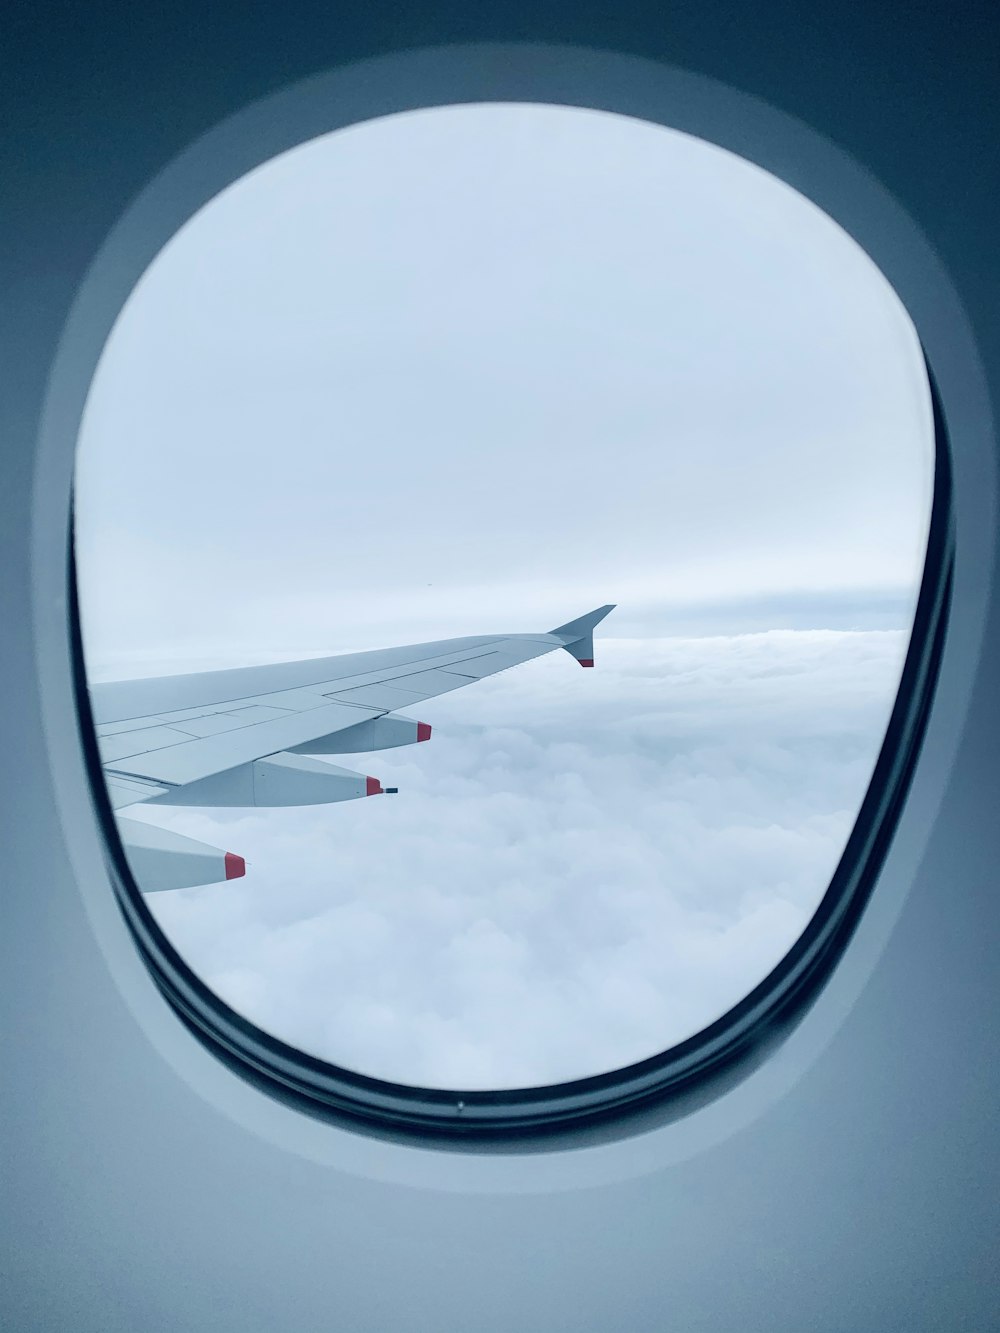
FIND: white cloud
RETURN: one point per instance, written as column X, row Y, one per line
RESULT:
column 581, row 868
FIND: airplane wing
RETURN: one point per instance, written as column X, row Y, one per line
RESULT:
column 248, row 736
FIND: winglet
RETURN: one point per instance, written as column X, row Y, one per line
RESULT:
column 578, row 635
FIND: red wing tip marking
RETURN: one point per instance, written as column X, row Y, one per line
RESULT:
column 586, row 661
column 423, row 731
column 236, row 867
column 373, row 787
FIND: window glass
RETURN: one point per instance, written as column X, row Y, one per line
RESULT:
column 473, row 371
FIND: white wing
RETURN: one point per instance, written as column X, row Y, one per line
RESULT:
column 244, row 737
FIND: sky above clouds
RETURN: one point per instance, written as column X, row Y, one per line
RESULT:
column 476, row 370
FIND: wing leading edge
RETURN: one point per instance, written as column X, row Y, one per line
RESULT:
column 247, row 737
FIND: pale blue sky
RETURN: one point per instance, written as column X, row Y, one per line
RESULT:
column 520, row 360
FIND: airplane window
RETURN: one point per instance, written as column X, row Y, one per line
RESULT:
column 464, row 378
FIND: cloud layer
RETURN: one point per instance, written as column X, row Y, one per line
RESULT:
column 581, row 868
